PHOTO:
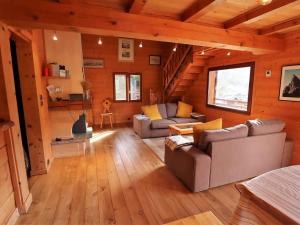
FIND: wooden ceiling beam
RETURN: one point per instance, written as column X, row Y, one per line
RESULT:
column 137, row 6
column 104, row 21
column 280, row 26
column 199, row 9
column 256, row 13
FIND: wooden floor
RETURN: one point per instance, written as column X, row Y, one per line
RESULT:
column 122, row 182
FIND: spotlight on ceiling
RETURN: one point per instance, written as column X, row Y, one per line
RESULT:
column 141, row 44
column 264, row 2
column 175, row 48
column 100, row 41
column 54, row 36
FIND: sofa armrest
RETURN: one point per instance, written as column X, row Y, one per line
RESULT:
column 190, row 165
column 141, row 125
column 200, row 117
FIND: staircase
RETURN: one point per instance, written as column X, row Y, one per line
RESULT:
column 180, row 71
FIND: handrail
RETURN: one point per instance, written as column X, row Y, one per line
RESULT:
column 174, row 63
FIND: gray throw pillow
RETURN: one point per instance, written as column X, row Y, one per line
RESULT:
column 260, row 127
column 171, row 109
column 209, row 136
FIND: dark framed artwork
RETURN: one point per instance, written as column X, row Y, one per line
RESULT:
column 154, row 59
column 290, row 83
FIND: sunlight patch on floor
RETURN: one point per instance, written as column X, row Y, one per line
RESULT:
column 99, row 136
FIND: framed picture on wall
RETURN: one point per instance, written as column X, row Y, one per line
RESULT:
column 154, row 60
column 126, row 50
column 290, row 83
column 93, row 63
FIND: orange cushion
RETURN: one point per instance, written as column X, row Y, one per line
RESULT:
column 211, row 125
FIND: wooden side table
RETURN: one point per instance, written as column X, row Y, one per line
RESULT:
column 207, row 218
column 103, row 115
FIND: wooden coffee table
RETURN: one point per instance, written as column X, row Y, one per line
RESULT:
column 207, row 218
column 182, row 128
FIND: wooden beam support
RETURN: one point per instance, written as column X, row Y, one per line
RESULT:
column 87, row 19
column 256, row 13
column 137, row 6
column 280, row 26
column 199, row 9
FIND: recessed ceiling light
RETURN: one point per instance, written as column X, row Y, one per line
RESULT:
column 228, row 53
column 202, row 52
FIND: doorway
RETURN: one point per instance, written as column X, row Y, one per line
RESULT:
column 20, row 105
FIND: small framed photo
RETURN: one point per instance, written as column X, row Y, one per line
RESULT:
column 93, row 63
column 154, row 59
column 290, row 83
column 126, row 50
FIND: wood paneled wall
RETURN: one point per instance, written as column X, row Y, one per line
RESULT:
column 7, row 199
column 10, row 107
column 265, row 103
column 102, row 81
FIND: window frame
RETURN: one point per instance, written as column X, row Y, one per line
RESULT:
column 250, row 92
column 128, row 86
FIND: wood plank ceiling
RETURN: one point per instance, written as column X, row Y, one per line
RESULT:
column 281, row 16
column 243, row 24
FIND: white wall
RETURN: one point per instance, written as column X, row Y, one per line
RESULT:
column 67, row 50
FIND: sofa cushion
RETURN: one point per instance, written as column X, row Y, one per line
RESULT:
column 184, row 120
column 171, row 109
column 152, row 112
column 162, row 110
column 211, row 125
column 161, row 124
column 184, row 110
column 260, row 127
column 208, row 136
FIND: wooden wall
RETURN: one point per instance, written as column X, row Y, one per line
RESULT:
column 102, row 80
column 265, row 102
column 7, row 199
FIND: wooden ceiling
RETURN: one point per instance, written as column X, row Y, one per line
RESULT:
column 220, row 13
column 229, row 24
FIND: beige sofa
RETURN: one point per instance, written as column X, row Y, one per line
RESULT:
column 230, row 155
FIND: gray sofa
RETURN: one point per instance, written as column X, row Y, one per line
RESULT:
column 230, row 155
column 145, row 128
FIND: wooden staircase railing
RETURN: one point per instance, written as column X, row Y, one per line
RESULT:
column 175, row 64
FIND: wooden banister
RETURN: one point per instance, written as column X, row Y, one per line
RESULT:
column 175, row 63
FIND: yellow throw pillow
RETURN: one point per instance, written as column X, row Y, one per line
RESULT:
column 211, row 125
column 184, row 110
column 152, row 112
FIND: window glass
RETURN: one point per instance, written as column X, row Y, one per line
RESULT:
column 135, row 87
column 120, row 87
column 229, row 87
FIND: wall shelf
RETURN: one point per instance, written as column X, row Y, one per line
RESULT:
column 69, row 105
column 57, row 77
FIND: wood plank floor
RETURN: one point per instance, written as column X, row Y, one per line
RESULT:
column 120, row 181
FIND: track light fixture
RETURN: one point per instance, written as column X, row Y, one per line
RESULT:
column 141, row 44
column 100, row 41
column 54, row 36
column 175, row 48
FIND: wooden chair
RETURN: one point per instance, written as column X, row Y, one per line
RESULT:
column 103, row 115
column 106, row 112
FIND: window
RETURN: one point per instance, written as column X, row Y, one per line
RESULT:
column 230, row 87
column 127, row 87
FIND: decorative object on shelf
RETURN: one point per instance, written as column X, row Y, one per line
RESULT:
column 126, row 50
column 55, row 93
column 290, row 83
column 154, row 59
column 93, row 63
